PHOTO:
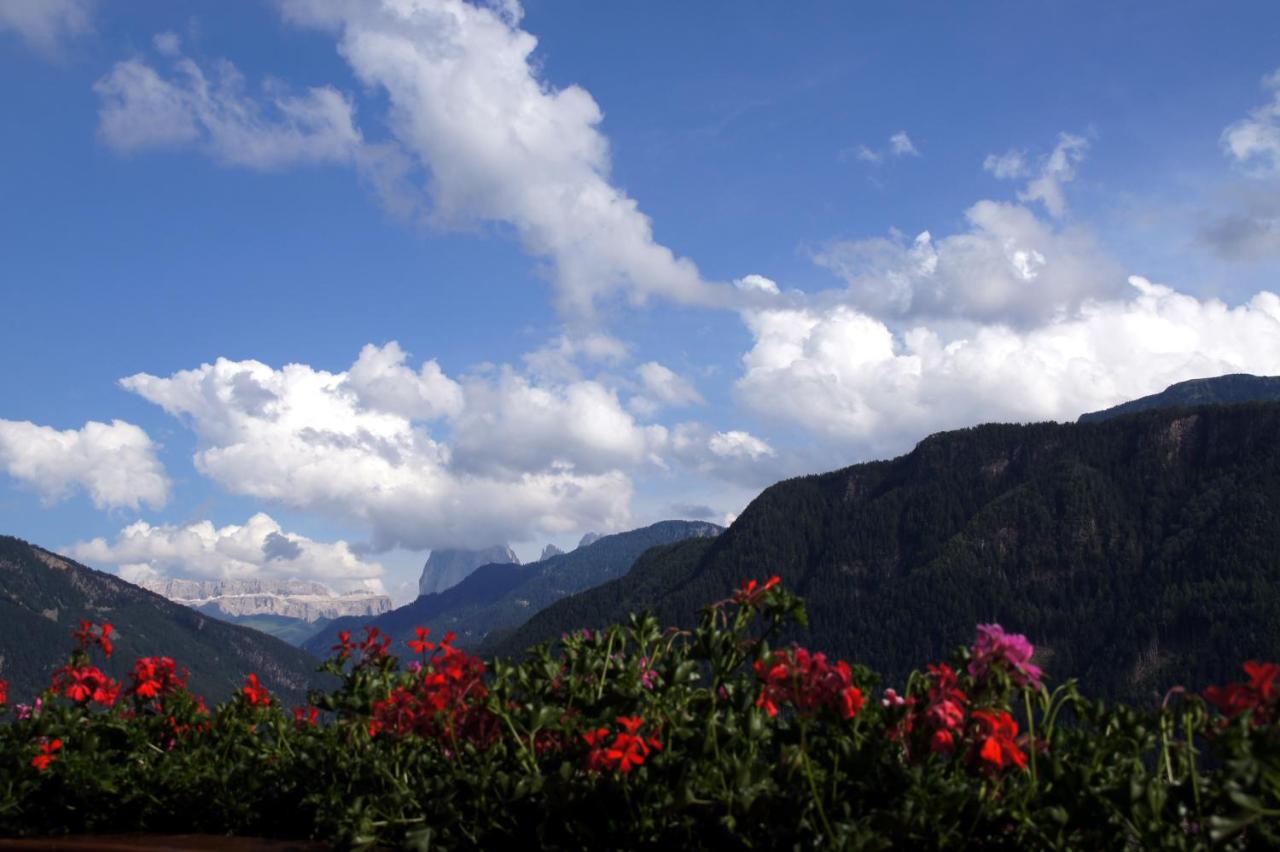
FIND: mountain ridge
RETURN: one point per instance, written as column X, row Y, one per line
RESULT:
column 1115, row 546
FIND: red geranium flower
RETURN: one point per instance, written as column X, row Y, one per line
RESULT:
column 996, row 743
column 1259, row 695
column 86, row 636
column 421, row 645
column 306, row 716
column 254, row 692
column 4, row 692
column 48, row 754
column 752, row 591
column 86, row 683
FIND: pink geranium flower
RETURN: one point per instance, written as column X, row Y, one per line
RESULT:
column 1010, row 651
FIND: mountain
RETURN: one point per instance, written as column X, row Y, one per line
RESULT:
column 588, row 539
column 549, row 551
column 43, row 597
column 502, row 596
column 300, row 600
column 1136, row 553
column 1237, row 387
column 449, row 567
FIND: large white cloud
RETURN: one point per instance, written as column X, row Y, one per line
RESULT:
column 1254, row 142
column 45, row 24
column 142, row 108
column 500, row 143
column 309, row 439
column 1009, row 266
column 421, row 460
column 847, row 376
column 115, row 462
column 257, row 549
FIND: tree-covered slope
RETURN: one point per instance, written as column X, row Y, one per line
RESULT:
column 502, row 597
column 1220, row 390
column 44, row 596
column 1137, row 552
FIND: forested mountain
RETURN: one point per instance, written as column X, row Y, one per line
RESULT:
column 1137, row 552
column 503, row 596
column 1237, row 387
column 44, row 596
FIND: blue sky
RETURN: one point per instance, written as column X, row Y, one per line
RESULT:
column 653, row 256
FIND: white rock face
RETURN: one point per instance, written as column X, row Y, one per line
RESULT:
column 299, row 599
column 447, row 568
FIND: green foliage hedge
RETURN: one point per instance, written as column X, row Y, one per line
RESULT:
column 635, row 737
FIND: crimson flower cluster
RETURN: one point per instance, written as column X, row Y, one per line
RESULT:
column 89, row 635
column 156, row 678
column 86, row 683
column 996, row 741
column 1259, row 695
column 4, row 693
column 373, row 648
column 753, row 592
column 627, row 750
column 255, row 693
column 444, row 701
column 48, row 754
column 808, row 682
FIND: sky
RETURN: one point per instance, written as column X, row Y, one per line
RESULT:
column 306, row 288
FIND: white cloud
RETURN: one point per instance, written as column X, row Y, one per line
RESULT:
column 167, row 43
column 511, row 424
column 140, row 108
column 1010, row 164
column 45, row 24
column 529, row 461
column 257, row 549
column 734, row 456
column 1254, row 142
column 663, row 387
column 900, row 145
column 846, row 376
column 559, row 359
column 757, row 284
column 115, row 463
column 502, row 144
column 1055, row 170
column 1010, row 266
column 382, row 382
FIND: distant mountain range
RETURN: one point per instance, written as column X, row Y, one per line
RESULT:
column 1137, row 552
column 43, row 596
column 290, row 599
column 501, row 596
column 1237, row 387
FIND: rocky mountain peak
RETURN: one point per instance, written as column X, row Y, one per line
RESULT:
column 447, row 567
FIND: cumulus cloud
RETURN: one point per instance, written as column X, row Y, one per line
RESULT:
column 559, row 360
column 115, row 463
column 528, row 461
column 1010, row 164
column 1010, row 266
column 1253, row 143
column 502, row 144
column 382, row 382
column 259, row 549
column 46, row 24
column 661, row 386
column 510, row 424
column 845, row 375
column 1055, row 169
column 141, row 108
column 734, row 455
